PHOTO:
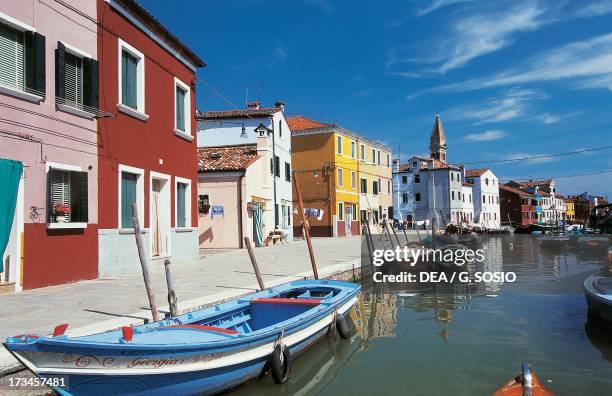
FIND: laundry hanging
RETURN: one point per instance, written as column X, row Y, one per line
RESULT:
column 10, row 173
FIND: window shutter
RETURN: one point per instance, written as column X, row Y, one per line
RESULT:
column 90, row 83
column 181, row 219
column 60, row 53
column 35, row 62
column 128, row 197
column 11, row 57
column 78, row 197
column 59, row 192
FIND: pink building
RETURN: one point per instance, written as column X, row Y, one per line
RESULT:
column 48, row 111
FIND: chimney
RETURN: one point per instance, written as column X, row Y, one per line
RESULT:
column 279, row 105
column 254, row 105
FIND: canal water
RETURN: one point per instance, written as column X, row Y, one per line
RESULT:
column 458, row 340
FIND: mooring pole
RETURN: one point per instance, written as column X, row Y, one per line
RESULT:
column 143, row 264
column 433, row 232
column 306, row 227
column 395, row 233
column 247, row 242
column 367, row 223
column 369, row 243
column 172, row 300
column 405, row 235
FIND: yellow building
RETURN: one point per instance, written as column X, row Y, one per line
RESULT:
column 327, row 161
column 570, row 212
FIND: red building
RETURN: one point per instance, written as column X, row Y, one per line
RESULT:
column 516, row 205
column 147, row 152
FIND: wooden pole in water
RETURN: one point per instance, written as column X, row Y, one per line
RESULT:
column 247, row 242
column 369, row 243
column 306, row 227
column 433, row 232
column 143, row 264
column 367, row 223
column 395, row 233
column 405, row 235
column 172, row 300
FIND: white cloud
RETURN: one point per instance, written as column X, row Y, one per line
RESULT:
column 594, row 9
column 437, row 4
column 548, row 118
column 485, row 136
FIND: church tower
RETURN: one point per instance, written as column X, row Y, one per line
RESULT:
column 437, row 142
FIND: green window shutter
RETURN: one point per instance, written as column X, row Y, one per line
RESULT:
column 90, row 83
column 129, row 80
column 128, row 198
column 181, row 216
column 60, row 53
column 35, row 63
column 180, row 109
column 78, row 197
column 12, row 57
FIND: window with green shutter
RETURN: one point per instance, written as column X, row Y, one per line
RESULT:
column 181, row 205
column 12, row 58
column 180, row 108
column 68, row 196
column 128, row 198
column 73, row 80
column 129, row 80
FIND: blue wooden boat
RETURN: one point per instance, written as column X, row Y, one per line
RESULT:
column 202, row 352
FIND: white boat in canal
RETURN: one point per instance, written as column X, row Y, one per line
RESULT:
column 598, row 292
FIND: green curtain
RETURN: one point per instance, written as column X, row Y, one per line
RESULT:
column 129, row 78
column 180, row 109
column 181, row 191
column 10, row 173
column 258, row 232
column 128, row 198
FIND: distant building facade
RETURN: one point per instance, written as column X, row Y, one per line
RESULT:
column 517, row 206
column 486, row 197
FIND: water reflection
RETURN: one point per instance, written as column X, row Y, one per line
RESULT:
column 468, row 339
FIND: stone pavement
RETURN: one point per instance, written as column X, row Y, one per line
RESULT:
column 104, row 304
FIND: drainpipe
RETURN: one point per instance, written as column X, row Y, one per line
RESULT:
column 240, row 218
column 274, row 174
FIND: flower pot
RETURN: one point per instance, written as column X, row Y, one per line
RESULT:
column 61, row 219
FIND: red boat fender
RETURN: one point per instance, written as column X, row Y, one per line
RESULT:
column 201, row 327
column 290, row 301
column 60, row 329
column 128, row 333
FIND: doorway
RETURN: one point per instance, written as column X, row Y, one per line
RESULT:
column 11, row 268
column 160, row 215
column 348, row 215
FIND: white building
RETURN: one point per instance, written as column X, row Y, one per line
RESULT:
column 486, row 197
column 232, row 127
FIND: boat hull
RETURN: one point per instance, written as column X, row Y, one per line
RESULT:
column 600, row 305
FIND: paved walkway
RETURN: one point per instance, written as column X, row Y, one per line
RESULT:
column 103, row 304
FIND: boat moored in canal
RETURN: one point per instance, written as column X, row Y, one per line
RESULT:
column 206, row 351
column 525, row 384
column 598, row 292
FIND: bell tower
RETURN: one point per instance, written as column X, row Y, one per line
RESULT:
column 437, row 141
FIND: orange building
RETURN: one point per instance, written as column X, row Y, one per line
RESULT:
column 324, row 158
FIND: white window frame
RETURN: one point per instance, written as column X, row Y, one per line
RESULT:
column 64, row 167
column 178, row 180
column 362, row 152
column 187, row 133
column 139, row 194
column 139, row 112
column 340, row 215
column 18, row 93
column 353, row 180
column 339, row 144
column 340, row 180
column 353, row 149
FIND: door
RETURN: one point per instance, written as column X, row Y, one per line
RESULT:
column 155, row 229
column 347, row 219
column 257, row 231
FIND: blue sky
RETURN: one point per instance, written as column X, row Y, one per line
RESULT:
column 510, row 79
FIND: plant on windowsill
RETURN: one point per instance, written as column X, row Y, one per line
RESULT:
column 61, row 211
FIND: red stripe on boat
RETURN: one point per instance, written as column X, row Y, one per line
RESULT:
column 291, row 301
column 60, row 329
column 201, row 327
column 128, row 333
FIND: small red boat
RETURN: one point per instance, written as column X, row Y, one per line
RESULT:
column 525, row 384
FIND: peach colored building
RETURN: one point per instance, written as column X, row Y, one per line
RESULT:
column 233, row 192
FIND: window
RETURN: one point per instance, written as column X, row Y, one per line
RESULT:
column 389, row 186
column 68, row 199
column 364, row 186
column 280, row 128
column 76, row 81
column 414, row 164
column 417, row 178
column 388, row 160
column 354, row 211
column 339, row 144
column 452, row 176
column 203, row 203
column 470, row 198
column 373, row 156
column 340, row 181
column 340, row 211
column 129, row 184
column 353, row 179
column 404, row 198
column 452, row 195
column 404, row 179
column 182, row 107
column 353, row 149
column 183, row 202
column 378, row 159
column 276, row 166
column 287, row 172
column 417, row 197
column 131, row 81
column 271, row 166
column 22, row 61
column 487, row 181
column 375, row 187
column 484, row 199
column 497, row 199
column 362, row 152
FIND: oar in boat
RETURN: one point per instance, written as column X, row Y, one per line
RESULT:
column 525, row 384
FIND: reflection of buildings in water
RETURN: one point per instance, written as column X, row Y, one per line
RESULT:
column 375, row 315
column 493, row 261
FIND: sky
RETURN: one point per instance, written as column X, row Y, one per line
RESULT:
column 510, row 79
